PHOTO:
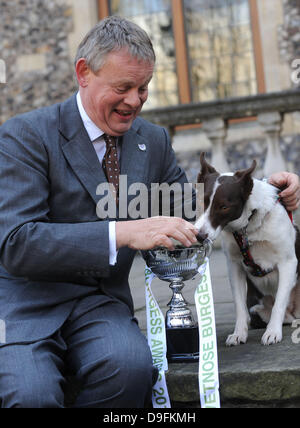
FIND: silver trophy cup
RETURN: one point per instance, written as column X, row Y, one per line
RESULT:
column 175, row 267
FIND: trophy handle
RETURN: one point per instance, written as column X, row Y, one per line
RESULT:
column 179, row 315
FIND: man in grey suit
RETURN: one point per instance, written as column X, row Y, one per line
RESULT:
column 64, row 293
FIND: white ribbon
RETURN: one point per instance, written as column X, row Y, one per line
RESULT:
column 208, row 373
column 156, row 335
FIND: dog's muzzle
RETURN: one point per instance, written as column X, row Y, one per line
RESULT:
column 201, row 237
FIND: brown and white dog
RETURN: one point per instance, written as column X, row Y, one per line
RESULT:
column 261, row 245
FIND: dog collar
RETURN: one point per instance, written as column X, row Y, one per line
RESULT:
column 242, row 240
column 243, row 243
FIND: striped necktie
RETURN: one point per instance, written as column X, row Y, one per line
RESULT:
column 110, row 163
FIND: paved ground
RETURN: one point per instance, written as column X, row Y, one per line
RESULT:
column 224, row 308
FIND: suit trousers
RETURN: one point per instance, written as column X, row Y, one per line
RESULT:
column 100, row 344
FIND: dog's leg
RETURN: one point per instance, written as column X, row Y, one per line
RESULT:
column 264, row 309
column 296, row 309
column 287, row 278
column 239, row 289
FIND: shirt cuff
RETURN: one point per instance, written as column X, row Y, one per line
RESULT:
column 112, row 243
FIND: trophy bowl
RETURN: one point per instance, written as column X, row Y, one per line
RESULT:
column 176, row 266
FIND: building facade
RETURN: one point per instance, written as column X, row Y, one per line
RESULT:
column 207, row 51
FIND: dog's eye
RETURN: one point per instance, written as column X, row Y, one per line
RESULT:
column 224, row 208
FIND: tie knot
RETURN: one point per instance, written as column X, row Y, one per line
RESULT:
column 110, row 140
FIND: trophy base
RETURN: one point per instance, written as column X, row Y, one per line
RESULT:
column 182, row 344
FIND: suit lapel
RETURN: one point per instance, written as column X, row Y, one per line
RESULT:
column 133, row 156
column 78, row 149
column 82, row 157
column 133, row 171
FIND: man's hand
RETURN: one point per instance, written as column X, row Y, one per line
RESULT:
column 290, row 185
column 155, row 231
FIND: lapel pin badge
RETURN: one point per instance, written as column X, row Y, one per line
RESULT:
column 142, row 147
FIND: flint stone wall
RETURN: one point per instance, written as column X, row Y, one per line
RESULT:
column 34, row 46
column 289, row 32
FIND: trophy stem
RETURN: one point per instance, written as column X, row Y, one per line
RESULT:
column 179, row 314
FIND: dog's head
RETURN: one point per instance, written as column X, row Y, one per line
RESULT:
column 225, row 196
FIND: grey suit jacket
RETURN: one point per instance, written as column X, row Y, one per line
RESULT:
column 53, row 247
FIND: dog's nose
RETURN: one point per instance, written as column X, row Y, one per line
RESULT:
column 201, row 236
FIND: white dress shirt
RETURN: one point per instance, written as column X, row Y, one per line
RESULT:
column 96, row 136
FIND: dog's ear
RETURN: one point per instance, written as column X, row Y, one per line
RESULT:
column 245, row 179
column 206, row 169
column 246, row 172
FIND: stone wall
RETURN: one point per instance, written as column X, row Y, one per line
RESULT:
column 34, row 45
column 289, row 32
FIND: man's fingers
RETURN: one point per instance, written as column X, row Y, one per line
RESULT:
column 290, row 191
column 155, row 231
column 165, row 241
column 290, row 184
column 185, row 239
column 178, row 229
column 291, row 198
column 291, row 204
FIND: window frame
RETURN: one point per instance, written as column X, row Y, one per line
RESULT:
column 182, row 61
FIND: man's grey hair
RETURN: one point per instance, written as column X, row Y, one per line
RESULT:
column 111, row 35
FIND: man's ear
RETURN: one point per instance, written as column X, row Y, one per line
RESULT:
column 82, row 72
column 206, row 169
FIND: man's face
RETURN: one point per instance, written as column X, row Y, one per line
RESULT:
column 114, row 96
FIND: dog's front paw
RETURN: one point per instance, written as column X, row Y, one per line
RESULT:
column 237, row 338
column 272, row 336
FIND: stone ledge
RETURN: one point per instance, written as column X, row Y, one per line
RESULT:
column 251, row 375
column 230, row 108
